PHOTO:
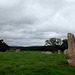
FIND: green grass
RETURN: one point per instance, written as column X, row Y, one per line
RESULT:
column 34, row 63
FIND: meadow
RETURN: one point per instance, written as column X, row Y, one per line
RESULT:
column 34, row 63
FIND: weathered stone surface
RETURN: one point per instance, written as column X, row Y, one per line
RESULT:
column 17, row 50
column 47, row 52
column 70, row 54
column 65, row 51
column 59, row 51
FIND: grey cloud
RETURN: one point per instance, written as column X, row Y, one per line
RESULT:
column 31, row 22
column 28, row 11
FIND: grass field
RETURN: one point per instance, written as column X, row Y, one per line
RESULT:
column 34, row 63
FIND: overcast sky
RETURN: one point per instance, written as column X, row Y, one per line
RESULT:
column 31, row 22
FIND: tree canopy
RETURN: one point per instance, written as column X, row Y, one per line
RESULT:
column 56, row 44
column 65, row 44
column 53, row 42
column 3, row 46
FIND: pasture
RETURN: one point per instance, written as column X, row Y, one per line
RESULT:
column 34, row 63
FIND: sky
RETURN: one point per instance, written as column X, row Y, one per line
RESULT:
column 31, row 22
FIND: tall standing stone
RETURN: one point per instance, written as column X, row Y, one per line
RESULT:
column 70, row 54
column 59, row 51
column 17, row 50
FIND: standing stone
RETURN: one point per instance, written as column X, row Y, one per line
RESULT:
column 65, row 51
column 59, row 51
column 70, row 54
column 17, row 50
column 48, row 52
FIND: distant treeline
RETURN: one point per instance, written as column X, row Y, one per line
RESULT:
column 53, row 44
column 40, row 48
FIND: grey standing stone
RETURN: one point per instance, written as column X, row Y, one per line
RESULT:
column 17, row 50
column 59, row 51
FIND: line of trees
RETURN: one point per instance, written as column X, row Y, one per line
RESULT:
column 53, row 44
column 57, row 43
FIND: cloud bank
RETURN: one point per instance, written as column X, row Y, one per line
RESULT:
column 31, row 22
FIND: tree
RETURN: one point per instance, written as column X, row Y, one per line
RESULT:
column 3, row 46
column 53, row 42
column 64, row 44
column 56, row 44
column 59, row 41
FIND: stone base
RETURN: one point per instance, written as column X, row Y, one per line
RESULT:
column 72, row 64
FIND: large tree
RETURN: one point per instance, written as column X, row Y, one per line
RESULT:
column 64, row 43
column 3, row 46
column 53, row 42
